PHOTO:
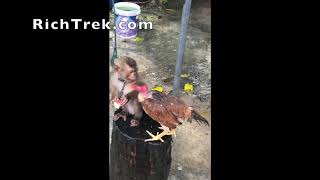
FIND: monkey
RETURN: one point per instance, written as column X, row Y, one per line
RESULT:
column 125, row 74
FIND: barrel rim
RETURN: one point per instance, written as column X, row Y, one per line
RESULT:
column 157, row 143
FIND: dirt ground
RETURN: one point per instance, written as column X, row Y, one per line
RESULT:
column 156, row 56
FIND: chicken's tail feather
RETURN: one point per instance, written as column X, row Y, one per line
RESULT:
column 196, row 116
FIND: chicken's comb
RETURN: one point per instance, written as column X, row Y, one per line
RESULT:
column 141, row 89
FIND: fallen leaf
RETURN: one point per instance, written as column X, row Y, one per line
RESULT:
column 158, row 88
column 138, row 39
column 151, row 18
column 188, row 88
column 185, row 75
column 204, row 113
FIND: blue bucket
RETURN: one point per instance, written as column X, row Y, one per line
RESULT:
column 127, row 14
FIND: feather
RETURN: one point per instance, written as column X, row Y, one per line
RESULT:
column 196, row 116
column 169, row 110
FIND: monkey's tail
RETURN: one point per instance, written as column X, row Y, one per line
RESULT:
column 196, row 116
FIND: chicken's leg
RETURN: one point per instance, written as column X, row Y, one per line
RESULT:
column 157, row 137
column 169, row 132
column 166, row 131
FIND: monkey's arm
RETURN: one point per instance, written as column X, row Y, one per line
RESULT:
column 132, row 95
column 114, row 93
column 138, row 114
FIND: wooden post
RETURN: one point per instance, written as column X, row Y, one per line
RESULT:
column 133, row 159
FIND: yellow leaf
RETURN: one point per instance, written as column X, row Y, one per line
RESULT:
column 204, row 113
column 150, row 18
column 158, row 88
column 138, row 39
column 188, row 88
column 184, row 75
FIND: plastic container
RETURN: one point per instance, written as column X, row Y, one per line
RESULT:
column 127, row 14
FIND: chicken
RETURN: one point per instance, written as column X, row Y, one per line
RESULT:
column 169, row 111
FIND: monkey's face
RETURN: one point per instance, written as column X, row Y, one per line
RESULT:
column 131, row 74
column 127, row 73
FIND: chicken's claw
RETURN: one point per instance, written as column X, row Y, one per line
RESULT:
column 172, row 132
column 155, row 138
column 169, row 132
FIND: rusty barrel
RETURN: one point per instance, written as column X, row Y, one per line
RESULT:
column 133, row 159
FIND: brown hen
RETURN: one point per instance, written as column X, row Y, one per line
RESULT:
column 169, row 111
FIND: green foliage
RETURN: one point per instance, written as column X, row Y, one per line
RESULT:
column 163, row 1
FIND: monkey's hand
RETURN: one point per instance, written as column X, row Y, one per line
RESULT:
column 120, row 102
column 134, row 122
column 136, row 119
column 118, row 116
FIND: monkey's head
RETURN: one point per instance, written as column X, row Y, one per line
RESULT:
column 126, row 68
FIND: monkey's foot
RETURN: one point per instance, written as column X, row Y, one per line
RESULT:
column 118, row 116
column 134, row 123
column 155, row 138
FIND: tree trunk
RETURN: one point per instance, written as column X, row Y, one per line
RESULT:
column 133, row 159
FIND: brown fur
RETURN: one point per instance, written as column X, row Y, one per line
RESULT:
column 126, row 68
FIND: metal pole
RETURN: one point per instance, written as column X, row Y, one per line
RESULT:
column 182, row 45
column 115, row 53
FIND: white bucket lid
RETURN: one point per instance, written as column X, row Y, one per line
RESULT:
column 127, row 13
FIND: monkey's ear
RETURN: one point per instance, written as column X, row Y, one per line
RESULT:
column 116, row 67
